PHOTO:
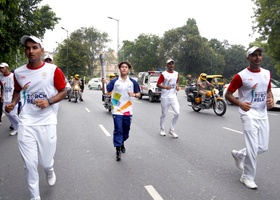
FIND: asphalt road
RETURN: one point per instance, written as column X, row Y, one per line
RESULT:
column 196, row 166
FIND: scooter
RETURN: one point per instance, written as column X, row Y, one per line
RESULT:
column 212, row 100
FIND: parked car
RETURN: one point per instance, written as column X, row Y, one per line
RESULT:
column 275, row 88
column 95, row 83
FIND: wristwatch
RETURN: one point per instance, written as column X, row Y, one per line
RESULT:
column 50, row 101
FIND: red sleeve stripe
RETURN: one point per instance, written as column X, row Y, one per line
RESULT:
column 160, row 79
column 59, row 79
column 16, row 85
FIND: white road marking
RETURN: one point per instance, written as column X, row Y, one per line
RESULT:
column 232, row 130
column 152, row 191
column 137, row 101
column 272, row 114
column 87, row 109
column 104, row 130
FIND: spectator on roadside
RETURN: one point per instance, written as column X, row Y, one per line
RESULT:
column 40, row 86
column 255, row 97
column 7, row 89
column 169, row 83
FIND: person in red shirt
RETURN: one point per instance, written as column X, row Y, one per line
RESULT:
column 40, row 86
column 255, row 97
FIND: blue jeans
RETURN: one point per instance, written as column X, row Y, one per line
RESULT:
column 121, row 129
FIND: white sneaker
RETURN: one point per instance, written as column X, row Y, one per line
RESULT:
column 171, row 132
column 239, row 163
column 248, row 183
column 14, row 132
column 162, row 133
column 51, row 178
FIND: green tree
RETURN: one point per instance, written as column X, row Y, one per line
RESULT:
column 235, row 59
column 142, row 53
column 18, row 18
column 267, row 20
column 84, row 48
column 187, row 48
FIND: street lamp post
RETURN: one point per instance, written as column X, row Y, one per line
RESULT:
column 117, row 33
column 66, row 53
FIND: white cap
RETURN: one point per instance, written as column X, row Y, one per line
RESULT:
column 169, row 60
column 35, row 39
column 48, row 56
column 252, row 50
column 3, row 64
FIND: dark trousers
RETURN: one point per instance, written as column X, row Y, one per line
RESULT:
column 121, row 129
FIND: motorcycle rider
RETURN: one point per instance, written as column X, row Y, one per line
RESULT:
column 202, row 84
column 76, row 81
column 111, row 77
column 107, row 97
column 189, row 82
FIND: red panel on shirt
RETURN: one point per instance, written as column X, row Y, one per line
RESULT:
column 16, row 85
column 160, row 79
column 59, row 79
column 235, row 83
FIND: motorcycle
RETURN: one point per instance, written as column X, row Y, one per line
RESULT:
column 212, row 100
column 107, row 102
column 75, row 93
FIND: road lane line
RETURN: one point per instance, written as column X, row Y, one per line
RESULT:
column 152, row 191
column 87, row 109
column 104, row 130
column 232, row 130
column 137, row 101
column 272, row 114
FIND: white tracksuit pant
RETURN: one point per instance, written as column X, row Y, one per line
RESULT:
column 37, row 143
column 256, row 134
column 12, row 116
column 165, row 104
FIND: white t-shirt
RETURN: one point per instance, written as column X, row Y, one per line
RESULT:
column 7, row 82
column 121, row 101
column 168, row 79
column 40, row 83
column 254, row 89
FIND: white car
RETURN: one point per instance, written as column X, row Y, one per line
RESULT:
column 95, row 83
column 275, row 88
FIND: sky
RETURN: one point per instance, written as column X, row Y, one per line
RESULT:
column 215, row 19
